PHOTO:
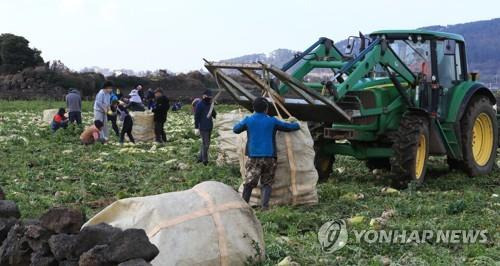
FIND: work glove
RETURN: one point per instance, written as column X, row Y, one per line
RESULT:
column 196, row 132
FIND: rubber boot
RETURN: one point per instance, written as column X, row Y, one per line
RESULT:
column 266, row 196
column 247, row 193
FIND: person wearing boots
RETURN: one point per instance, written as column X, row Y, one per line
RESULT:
column 261, row 148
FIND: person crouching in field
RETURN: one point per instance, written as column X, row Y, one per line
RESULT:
column 261, row 149
column 160, row 109
column 59, row 120
column 203, row 122
column 127, row 123
column 101, row 107
column 92, row 134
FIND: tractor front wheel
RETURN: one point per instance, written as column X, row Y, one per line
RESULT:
column 411, row 149
column 479, row 137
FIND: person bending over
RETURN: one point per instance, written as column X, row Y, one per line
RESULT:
column 59, row 120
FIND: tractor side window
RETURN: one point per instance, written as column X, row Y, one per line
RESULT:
column 458, row 62
column 447, row 68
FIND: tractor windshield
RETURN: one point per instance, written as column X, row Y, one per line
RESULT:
column 415, row 55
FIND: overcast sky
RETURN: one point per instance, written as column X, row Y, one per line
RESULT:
column 176, row 35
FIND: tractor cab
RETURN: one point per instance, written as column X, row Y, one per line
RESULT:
column 437, row 59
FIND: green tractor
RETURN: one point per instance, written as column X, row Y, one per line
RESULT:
column 392, row 99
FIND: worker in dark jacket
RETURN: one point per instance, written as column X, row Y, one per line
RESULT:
column 150, row 98
column 261, row 149
column 74, row 105
column 113, row 116
column 160, row 110
column 203, row 123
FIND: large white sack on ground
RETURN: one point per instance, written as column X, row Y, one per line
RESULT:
column 209, row 224
column 48, row 115
column 143, row 129
column 228, row 142
column 296, row 177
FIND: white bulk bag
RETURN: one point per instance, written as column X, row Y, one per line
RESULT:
column 209, row 224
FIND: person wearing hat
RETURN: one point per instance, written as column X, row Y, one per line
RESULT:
column 135, row 102
column 261, row 148
column 203, row 122
column 101, row 107
column 160, row 109
column 74, row 105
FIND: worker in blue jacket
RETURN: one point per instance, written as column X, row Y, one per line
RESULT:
column 261, row 148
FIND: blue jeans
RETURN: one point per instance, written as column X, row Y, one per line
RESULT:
column 55, row 126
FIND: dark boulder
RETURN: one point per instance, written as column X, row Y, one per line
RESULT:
column 63, row 246
column 97, row 256
column 8, row 209
column 68, row 263
column 5, row 225
column 39, row 259
column 63, row 220
column 93, row 235
column 15, row 249
column 37, row 238
column 131, row 244
column 135, row 262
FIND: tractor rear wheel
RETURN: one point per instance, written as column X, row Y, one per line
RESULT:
column 411, row 149
column 479, row 136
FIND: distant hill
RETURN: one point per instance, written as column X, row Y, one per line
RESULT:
column 482, row 40
column 277, row 57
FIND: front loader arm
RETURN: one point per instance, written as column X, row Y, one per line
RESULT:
column 310, row 104
column 322, row 53
column 377, row 53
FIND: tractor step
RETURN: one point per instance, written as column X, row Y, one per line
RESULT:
column 449, row 137
column 338, row 134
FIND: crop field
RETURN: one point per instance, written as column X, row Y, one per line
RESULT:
column 40, row 170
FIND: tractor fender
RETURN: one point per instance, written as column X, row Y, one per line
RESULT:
column 476, row 89
column 457, row 111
